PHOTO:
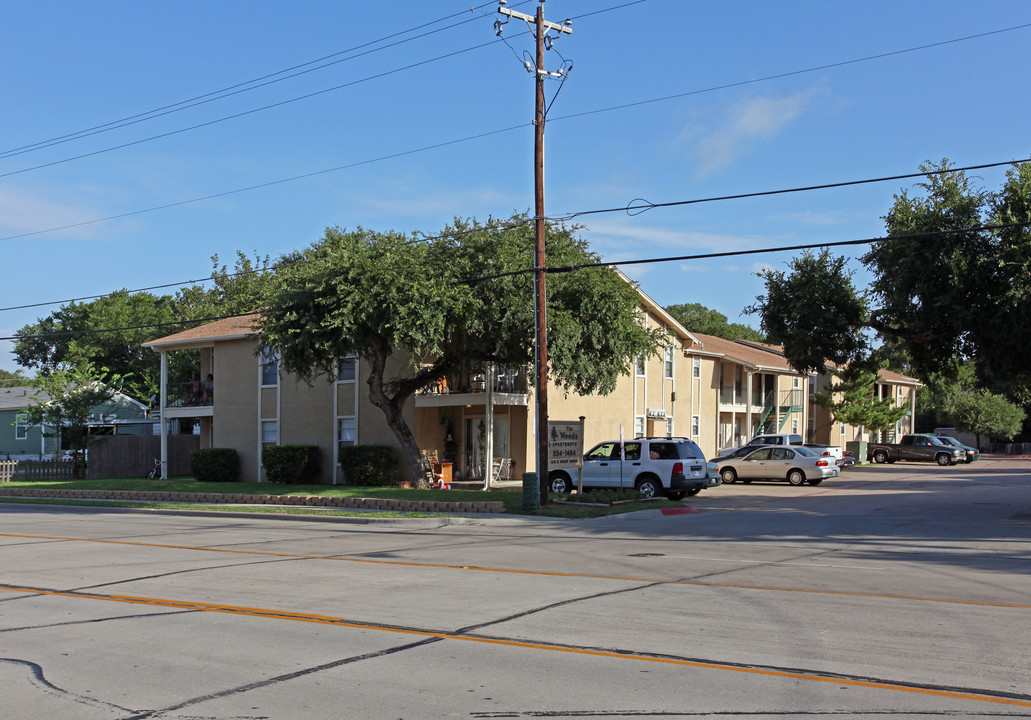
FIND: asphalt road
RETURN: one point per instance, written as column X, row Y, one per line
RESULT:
column 898, row 591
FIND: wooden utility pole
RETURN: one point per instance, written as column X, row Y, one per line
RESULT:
column 540, row 27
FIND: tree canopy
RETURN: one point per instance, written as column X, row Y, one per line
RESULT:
column 79, row 333
column 946, row 286
column 438, row 304
column 698, row 318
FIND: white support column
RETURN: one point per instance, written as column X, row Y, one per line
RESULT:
column 748, row 403
column 489, row 462
column 164, row 423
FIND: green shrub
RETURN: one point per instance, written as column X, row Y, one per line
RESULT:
column 296, row 464
column 215, row 464
column 367, row 465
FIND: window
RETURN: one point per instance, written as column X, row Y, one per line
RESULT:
column 669, row 427
column 696, row 367
column 796, row 382
column 842, row 429
column 269, row 432
column 639, row 426
column 269, row 368
column 667, row 362
column 347, row 368
column 812, row 384
column 794, row 426
column 21, row 426
column 347, row 432
column 632, row 451
column 696, row 425
column 640, row 365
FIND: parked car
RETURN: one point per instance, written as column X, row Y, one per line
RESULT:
column 674, row 467
column 774, row 439
column 843, row 458
column 917, row 448
column 972, row 453
column 797, row 465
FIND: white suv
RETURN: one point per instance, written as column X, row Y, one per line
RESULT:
column 672, row 466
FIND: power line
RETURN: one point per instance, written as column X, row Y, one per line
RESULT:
column 238, row 88
column 477, row 136
column 635, row 207
column 582, row 266
column 251, row 111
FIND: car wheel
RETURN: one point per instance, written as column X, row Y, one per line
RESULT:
column 943, row 459
column 880, row 457
column 649, row 486
column 815, row 481
column 728, row 476
column 796, row 477
column 694, row 491
column 676, row 494
column 559, row 482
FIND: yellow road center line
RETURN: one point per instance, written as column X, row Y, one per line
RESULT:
column 341, row 622
column 514, row 571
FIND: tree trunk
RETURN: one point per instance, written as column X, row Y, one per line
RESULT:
column 393, row 409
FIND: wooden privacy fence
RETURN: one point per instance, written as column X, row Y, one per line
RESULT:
column 7, row 469
column 134, row 455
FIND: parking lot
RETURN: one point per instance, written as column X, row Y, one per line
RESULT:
column 893, row 590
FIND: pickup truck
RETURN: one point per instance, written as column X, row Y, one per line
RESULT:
column 919, row 448
column 775, row 439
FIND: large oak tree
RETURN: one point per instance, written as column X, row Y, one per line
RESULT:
column 440, row 303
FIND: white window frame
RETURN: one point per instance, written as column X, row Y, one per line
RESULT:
column 268, row 358
column 696, row 425
column 641, row 366
column 347, row 361
column 667, row 362
column 352, row 422
column 21, row 426
column 794, row 426
column 274, row 424
column 796, row 382
column 640, row 426
column 696, row 367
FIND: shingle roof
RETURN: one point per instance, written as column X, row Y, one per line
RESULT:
column 16, row 398
column 230, row 327
column 748, row 354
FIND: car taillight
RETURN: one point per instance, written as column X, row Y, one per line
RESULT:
column 822, row 463
column 826, row 453
column 678, row 468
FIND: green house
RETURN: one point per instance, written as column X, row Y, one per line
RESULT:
column 121, row 415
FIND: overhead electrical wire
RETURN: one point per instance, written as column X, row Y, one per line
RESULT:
column 241, row 87
column 634, row 207
column 489, row 133
column 573, row 268
column 252, row 111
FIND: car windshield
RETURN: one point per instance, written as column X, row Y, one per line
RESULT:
column 949, row 441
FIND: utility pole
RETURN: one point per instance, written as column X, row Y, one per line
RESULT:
column 539, row 27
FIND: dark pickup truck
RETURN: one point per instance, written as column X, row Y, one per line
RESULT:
column 919, row 448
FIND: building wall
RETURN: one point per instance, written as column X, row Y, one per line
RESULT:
column 234, row 421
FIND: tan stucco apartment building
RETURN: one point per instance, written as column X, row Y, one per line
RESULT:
column 717, row 392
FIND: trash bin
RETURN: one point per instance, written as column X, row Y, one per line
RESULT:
column 531, row 493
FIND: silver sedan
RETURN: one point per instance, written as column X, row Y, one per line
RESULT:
column 797, row 465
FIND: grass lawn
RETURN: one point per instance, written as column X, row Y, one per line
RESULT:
column 513, row 499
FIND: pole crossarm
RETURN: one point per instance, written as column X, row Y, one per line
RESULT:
column 532, row 21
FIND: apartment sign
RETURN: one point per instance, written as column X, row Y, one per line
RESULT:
column 565, row 444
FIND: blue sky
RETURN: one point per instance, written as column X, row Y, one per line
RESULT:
column 400, row 117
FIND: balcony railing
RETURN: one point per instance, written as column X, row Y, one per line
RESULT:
column 506, row 380
column 189, row 394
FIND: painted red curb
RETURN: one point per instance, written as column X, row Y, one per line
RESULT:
column 678, row 511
